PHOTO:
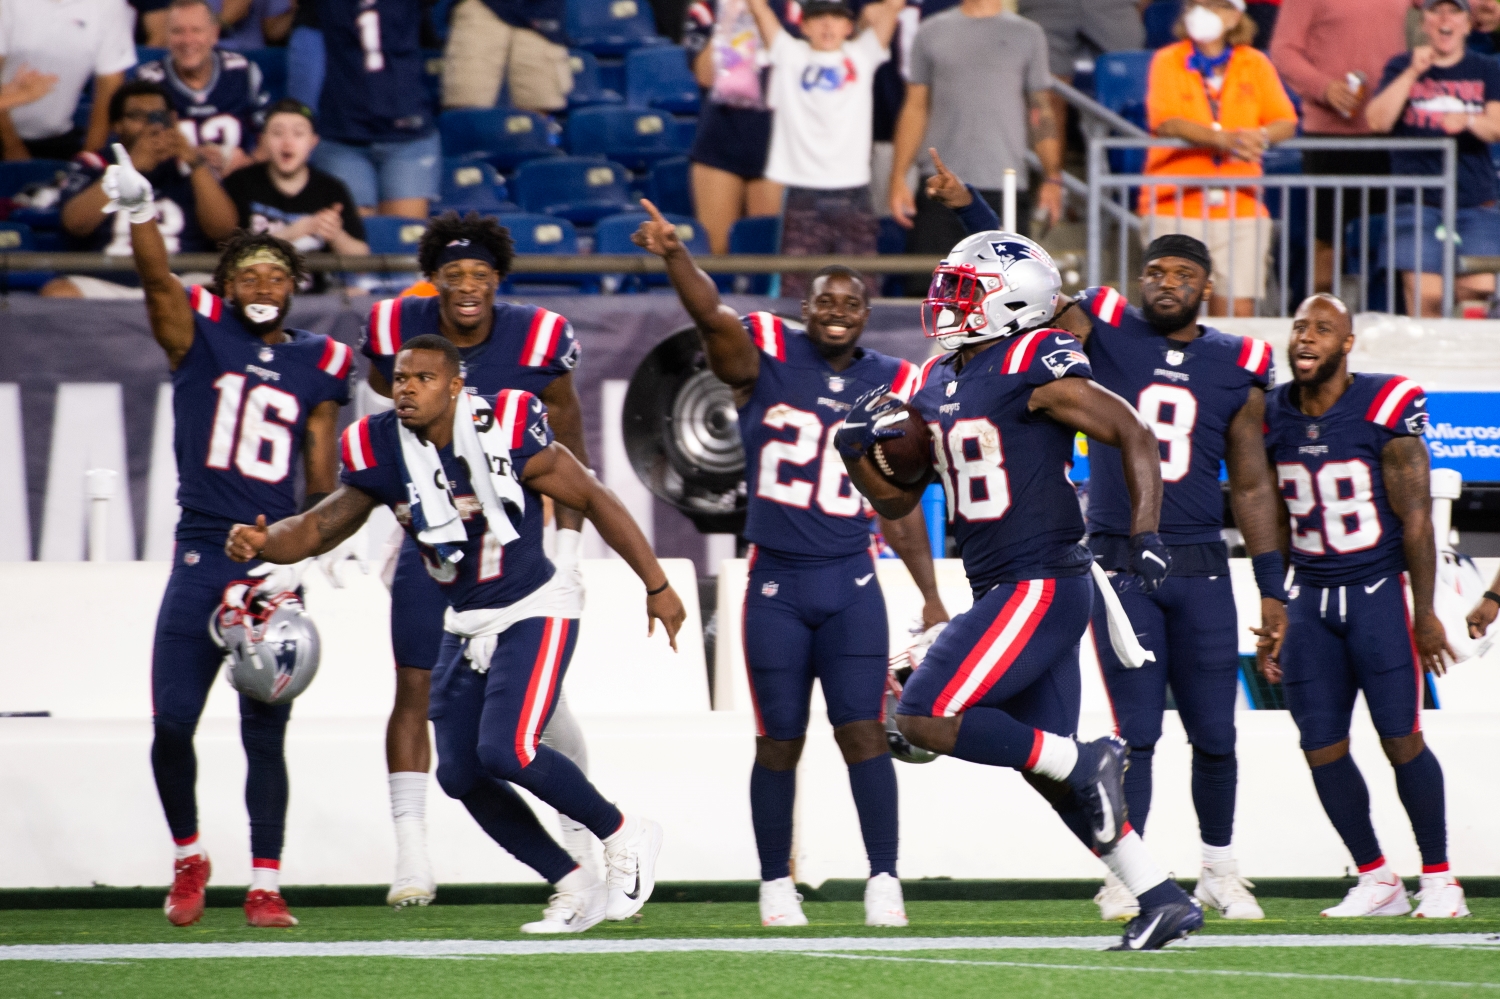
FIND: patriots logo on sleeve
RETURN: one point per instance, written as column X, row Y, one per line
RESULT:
column 1060, row 362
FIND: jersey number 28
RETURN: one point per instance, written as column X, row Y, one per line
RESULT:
column 1350, row 523
column 258, row 445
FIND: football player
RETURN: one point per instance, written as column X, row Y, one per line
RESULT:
column 1001, row 685
column 250, row 400
column 813, row 608
column 1357, row 517
column 1483, row 614
column 502, row 346
column 513, row 618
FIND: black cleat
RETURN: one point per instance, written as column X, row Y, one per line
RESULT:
column 1103, row 794
column 1154, row 928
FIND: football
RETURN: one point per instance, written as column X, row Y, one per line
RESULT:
column 906, row 459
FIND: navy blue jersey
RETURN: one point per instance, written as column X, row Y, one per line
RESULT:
column 228, row 112
column 1329, row 471
column 528, row 346
column 240, row 407
column 1188, row 393
column 488, row 575
column 176, row 209
column 800, row 499
column 1013, row 511
column 373, row 90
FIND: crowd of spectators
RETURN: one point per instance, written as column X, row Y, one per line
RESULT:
column 827, row 113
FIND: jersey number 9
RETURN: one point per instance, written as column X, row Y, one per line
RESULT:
column 1171, row 411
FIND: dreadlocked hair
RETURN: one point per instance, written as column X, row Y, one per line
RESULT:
column 479, row 230
column 243, row 241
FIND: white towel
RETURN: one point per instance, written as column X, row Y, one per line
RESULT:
column 1121, row 632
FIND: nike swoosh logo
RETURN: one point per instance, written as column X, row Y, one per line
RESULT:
column 1372, row 589
column 1155, row 558
column 862, row 580
column 635, row 892
column 1061, row 340
column 1106, row 832
column 1139, row 941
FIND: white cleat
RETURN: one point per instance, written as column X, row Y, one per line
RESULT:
column 1221, row 887
column 413, row 883
column 572, row 911
column 631, row 866
column 581, row 845
column 1372, row 897
column 1115, row 902
column 884, row 905
column 411, row 890
column 780, row 905
column 1441, row 897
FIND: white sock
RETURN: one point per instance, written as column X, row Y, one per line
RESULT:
column 1057, row 758
column 1384, row 874
column 1133, row 864
column 577, row 880
column 408, row 796
column 182, row 851
column 618, row 836
column 265, row 878
column 1217, row 855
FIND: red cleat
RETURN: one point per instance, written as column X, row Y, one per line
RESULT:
column 267, row 908
column 184, row 905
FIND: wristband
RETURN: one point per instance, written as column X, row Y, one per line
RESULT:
column 1270, row 575
column 660, row 589
column 569, row 542
column 1492, row 595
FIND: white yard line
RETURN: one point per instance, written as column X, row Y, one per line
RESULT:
column 752, row 945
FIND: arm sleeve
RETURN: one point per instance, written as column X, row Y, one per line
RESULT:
column 1038, row 75
column 521, row 418
column 921, row 62
column 870, row 53
column 1047, row 355
column 1289, row 50
column 1400, row 407
column 977, row 215
column 359, row 465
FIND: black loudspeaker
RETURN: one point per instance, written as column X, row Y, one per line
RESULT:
column 682, row 434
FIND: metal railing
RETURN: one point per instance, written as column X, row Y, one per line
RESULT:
column 1111, row 198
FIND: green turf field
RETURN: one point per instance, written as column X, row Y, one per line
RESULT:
column 719, row 949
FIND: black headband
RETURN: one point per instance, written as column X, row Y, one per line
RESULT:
column 1178, row 245
column 465, row 249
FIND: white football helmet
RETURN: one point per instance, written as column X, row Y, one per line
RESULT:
column 271, row 646
column 990, row 285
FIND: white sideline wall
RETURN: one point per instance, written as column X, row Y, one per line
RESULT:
column 83, row 808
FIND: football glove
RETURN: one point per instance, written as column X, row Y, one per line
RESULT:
column 869, row 421
column 912, row 656
column 128, row 189
column 1149, row 559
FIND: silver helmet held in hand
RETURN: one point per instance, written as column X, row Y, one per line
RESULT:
column 270, row 643
column 990, row 285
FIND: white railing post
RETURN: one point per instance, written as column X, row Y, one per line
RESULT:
column 101, row 489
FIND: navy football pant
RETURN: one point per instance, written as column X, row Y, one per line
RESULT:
column 823, row 619
column 1190, row 625
column 184, row 663
column 489, row 728
column 417, row 609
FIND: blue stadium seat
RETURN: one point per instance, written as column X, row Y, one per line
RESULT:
column 580, row 189
column 17, row 238
column 1159, row 18
column 630, row 136
column 272, row 63
column 393, row 233
column 756, row 234
column 588, row 84
column 659, row 77
column 507, row 137
column 1120, row 85
column 670, row 186
column 432, row 79
column 611, row 27
column 543, row 234
column 612, row 75
column 612, row 235
column 472, row 185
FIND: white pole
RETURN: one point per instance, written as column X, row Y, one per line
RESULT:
column 1446, row 485
column 1008, row 202
column 101, row 489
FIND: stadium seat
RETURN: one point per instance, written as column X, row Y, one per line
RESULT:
column 670, row 186
column 611, row 27
column 272, row 63
column 580, row 189
column 392, row 234
column 630, row 136
column 1120, row 85
column 507, row 137
column 543, row 234
column 1159, row 18
column 756, row 234
column 612, row 235
column 472, row 185
column 659, row 77
column 588, row 84
column 17, row 238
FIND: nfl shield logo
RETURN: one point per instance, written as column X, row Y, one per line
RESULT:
column 952, row 388
column 1312, row 431
column 835, row 384
column 1175, row 357
column 770, row 589
column 191, row 558
column 266, row 355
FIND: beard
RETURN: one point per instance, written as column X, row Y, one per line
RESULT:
column 1322, row 374
column 264, row 326
column 1164, row 322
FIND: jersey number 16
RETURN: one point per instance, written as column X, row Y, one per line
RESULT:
column 244, row 437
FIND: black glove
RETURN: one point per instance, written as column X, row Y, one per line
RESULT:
column 1149, row 559
column 862, row 428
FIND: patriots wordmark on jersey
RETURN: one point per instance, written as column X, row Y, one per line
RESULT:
column 801, row 500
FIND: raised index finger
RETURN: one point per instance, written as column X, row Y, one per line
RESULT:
column 937, row 161
column 655, row 214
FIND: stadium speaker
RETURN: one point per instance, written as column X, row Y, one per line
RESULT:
column 682, row 434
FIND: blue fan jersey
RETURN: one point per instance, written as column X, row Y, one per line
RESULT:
column 373, row 90
column 229, row 111
column 801, row 502
column 240, row 408
column 1188, row 393
column 176, row 211
column 528, row 346
column 488, row 575
column 1013, row 512
column 1329, row 470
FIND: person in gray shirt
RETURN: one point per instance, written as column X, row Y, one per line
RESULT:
column 978, row 92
